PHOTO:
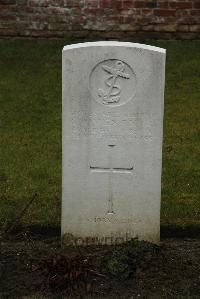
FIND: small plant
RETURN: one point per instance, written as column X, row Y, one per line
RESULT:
column 121, row 261
column 66, row 274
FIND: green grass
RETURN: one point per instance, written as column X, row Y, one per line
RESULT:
column 181, row 149
column 30, row 124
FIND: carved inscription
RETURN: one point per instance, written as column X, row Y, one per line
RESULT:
column 132, row 126
column 112, row 124
column 112, row 83
column 112, row 220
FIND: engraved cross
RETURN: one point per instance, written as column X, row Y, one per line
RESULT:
column 111, row 170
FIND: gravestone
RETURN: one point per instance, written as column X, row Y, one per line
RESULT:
column 112, row 142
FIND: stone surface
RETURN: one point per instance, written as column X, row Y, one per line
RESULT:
column 112, row 142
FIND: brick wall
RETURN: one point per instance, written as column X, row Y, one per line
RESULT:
column 100, row 18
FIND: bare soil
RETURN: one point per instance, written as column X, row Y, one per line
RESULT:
column 170, row 271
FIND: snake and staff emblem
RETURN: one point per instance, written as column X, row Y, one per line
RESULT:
column 112, row 94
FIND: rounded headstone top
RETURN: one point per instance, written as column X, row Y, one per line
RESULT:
column 114, row 44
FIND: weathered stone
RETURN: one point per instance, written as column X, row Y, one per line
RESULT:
column 112, row 141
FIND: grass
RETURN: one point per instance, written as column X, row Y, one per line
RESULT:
column 181, row 149
column 30, row 101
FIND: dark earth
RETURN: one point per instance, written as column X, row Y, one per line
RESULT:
column 171, row 270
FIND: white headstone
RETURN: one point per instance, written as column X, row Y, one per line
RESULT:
column 112, row 142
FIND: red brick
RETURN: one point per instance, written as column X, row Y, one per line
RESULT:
column 195, row 12
column 79, row 19
column 8, row 2
column 184, row 5
column 105, row 3
column 38, row 18
column 91, row 11
column 140, row 4
column 147, row 11
column 165, row 12
column 75, row 11
column 196, row 4
column 180, row 4
column 7, row 9
column 109, row 12
column 164, row 4
column 54, row 18
column 117, row 4
column 7, row 18
column 128, row 4
column 151, row 4
column 172, row 4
